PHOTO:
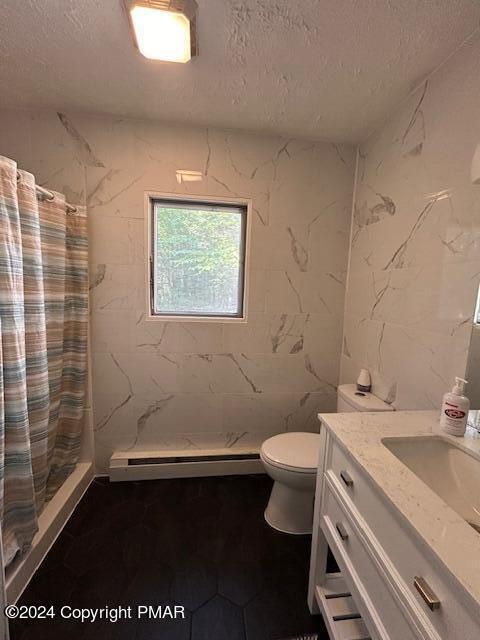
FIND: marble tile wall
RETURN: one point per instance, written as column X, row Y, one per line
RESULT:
column 183, row 385
column 473, row 368
column 415, row 247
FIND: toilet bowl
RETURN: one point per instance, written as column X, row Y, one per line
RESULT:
column 291, row 460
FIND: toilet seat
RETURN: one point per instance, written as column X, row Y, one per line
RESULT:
column 297, row 452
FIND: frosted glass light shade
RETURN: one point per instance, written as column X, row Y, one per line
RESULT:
column 475, row 172
column 161, row 34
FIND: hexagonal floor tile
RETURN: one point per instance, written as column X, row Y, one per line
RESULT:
column 239, row 581
column 194, row 582
column 201, row 542
column 218, row 618
column 138, row 545
column 279, row 612
column 151, row 585
column 124, row 515
column 166, row 628
column 92, row 550
column 49, row 629
column 101, row 586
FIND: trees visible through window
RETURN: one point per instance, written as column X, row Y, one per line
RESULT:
column 197, row 259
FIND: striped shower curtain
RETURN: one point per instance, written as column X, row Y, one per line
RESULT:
column 43, row 349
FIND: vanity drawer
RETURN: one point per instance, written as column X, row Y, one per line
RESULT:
column 344, row 469
column 380, row 611
column 401, row 553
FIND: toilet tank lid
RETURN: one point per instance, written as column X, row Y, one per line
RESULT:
column 363, row 402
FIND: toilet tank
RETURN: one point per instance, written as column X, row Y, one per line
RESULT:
column 349, row 399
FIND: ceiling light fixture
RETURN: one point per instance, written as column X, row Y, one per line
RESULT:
column 164, row 29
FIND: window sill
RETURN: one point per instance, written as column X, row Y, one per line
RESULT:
column 213, row 319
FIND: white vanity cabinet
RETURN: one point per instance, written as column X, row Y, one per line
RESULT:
column 392, row 586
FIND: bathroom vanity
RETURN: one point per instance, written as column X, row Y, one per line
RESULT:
column 393, row 501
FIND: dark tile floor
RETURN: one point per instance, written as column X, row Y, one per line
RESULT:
column 200, row 542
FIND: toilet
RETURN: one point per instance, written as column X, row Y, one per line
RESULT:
column 291, row 460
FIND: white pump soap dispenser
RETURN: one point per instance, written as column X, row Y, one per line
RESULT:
column 455, row 406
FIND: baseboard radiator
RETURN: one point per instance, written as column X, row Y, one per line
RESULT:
column 151, row 465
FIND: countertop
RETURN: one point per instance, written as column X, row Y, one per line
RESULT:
column 453, row 541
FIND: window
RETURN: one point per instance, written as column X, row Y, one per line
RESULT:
column 197, row 258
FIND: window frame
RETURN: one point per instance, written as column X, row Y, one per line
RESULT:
column 151, row 197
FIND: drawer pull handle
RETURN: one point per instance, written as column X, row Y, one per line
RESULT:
column 346, row 616
column 345, row 476
column 341, row 531
column 427, row 594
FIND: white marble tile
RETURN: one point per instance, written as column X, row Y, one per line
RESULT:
column 323, row 293
column 423, row 380
column 186, row 441
column 298, row 195
column 63, row 167
column 198, row 337
column 110, row 140
column 154, row 336
column 257, row 292
column 349, row 370
column 409, row 366
column 415, row 254
column 274, row 412
column 317, row 327
column 110, row 241
column 15, row 146
column 295, row 292
column 152, row 374
column 284, row 292
column 328, row 235
column 176, row 414
column 267, row 333
column 115, row 192
column 288, row 247
column 288, row 349
column 116, row 287
column 112, row 331
column 354, row 342
column 438, row 298
column 278, row 373
column 473, row 368
column 136, row 237
column 113, row 373
column 260, row 246
column 113, row 416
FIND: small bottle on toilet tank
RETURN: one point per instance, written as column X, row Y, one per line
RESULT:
column 455, row 406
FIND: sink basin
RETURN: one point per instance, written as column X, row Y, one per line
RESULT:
column 449, row 471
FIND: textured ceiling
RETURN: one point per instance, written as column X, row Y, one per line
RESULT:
column 328, row 69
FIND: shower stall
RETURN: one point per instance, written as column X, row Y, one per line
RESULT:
column 45, row 414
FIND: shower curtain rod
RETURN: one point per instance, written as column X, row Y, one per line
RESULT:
column 44, row 193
